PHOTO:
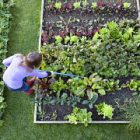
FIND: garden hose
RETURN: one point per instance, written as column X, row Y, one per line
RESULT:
column 69, row 75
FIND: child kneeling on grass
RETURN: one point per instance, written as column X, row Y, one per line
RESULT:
column 19, row 67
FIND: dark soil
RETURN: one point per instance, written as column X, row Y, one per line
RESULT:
column 61, row 111
column 85, row 19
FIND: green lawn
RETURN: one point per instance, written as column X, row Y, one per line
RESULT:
column 19, row 113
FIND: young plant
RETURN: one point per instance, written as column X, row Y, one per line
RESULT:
column 67, row 6
column 48, row 100
column 134, row 85
column 114, row 30
column 93, row 96
column 126, row 5
column 53, row 116
column 58, row 85
column 58, row 39
column 94, row 5
column 77, row 86
column 77, row 5
column 79, row 115
column 85, row 3
column 58, row 5
column 73, row 100
column 73, row 39
column 66, row 39
column 62, row 99
column 105, row 110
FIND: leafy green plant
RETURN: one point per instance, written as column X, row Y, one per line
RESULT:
column 58, row 86
column 93, row 96
column 73, row 39
column 79, row 115
column 126, row 5
column 62, row 99
column 77, row 86
column 73, row 100
column 48, row 100
column 134, row 85
column 105, row 34
column 114, row 30
column 66, row 39
column 58, row 5
column 105, row 110
column 77, row 5
column 94, row 5
column 58, row 39
column 85, row 3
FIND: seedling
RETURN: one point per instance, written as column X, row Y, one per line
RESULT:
column 85, row 3
column 58, row 5
column 73, row 39
column 77, row 5
column 94, row 5
column 126, row 5
column 66, row 39
column 58, row 39
column 93, row 96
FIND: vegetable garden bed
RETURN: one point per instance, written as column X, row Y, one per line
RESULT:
column 99, row 41
column 4, row 30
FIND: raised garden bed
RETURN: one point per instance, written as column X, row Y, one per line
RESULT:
column 99, row 42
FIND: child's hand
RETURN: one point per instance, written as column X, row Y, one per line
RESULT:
column 38, row 81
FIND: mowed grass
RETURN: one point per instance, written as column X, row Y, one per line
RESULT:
column 19, row 113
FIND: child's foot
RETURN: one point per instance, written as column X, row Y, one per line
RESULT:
column 31, row 91
column 31, row 82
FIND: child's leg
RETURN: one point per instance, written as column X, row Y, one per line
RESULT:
column 27, row 89
column 31, row 81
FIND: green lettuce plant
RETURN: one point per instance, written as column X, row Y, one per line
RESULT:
column 58, row 86
column 77, row 5
column 58, row 5
column 79, row 115
column 58, row 39
column 134, row 85
column 94, row 5
column 77, row 86
column 85, row 3
column 105, row 110
column 126, row 5
column 73, row 39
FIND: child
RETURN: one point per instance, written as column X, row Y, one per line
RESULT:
column 20, row 67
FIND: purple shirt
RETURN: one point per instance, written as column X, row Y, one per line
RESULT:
column 14, row 74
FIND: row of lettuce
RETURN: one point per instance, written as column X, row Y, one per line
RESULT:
column 4, row 30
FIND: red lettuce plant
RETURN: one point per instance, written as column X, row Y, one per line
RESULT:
column 67, row 6
column 45, row 37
